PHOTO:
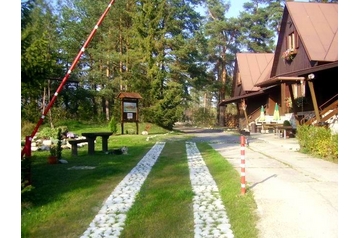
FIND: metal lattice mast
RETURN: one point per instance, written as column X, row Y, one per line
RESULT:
column 74, row 63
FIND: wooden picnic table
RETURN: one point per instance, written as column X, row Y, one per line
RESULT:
column 285, row 129
column 91, row 137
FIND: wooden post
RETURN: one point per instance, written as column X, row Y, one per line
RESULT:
column 314, row 100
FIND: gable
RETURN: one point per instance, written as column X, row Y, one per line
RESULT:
column 252, row 68
column 317, row 26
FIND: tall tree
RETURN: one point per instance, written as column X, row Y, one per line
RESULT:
column 164, row 38
column 39, row 55
column 260, row 20
column 94, row 71
column 147, row 46
column 222, row 34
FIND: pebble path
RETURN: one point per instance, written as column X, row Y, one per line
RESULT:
column 109, row 222
column 210, row 218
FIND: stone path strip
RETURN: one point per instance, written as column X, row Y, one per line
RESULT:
column 109, row 222
column 210, row 218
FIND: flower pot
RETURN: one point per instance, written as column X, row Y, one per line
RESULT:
column 52, row 159
column 289, row 55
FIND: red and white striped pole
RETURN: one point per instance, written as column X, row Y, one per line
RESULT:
column 242, row 164
column 74, row 63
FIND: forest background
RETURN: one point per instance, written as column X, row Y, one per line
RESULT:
column 178, row 59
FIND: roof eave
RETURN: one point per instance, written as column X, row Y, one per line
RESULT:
column 234, row 99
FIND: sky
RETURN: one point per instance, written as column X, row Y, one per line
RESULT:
column 236, row 7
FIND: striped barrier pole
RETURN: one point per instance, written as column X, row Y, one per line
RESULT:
column 74, row 63
column 242, row 164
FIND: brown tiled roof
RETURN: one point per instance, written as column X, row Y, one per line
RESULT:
column 254, row 68
column 129, row 95
column 317, row 26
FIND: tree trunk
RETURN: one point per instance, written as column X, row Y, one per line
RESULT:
column 223, row 89
column 222, row 116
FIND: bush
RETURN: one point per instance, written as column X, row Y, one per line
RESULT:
column 59, row 144
column 286, row 123
column 204, row 118
column 26, row 175
column 47, row 133
column 27, row 128
column 318, row 141
column 113, row 125
column 50, row 133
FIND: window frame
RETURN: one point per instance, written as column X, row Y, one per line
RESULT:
column 292, row 40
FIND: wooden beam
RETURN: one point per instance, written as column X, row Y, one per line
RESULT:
column 314, row 100
column 283, row 96
column 294, row 106
column 278, row 80
column 290, row 78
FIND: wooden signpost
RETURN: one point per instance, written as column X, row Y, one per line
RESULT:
column 129, row 109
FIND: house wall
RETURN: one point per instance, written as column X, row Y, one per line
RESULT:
column 255, row 103
column 301, row 60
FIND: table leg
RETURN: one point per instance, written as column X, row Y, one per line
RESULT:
column 74, row 149
column 105, row 143
column 277, row 132
column 91, row 145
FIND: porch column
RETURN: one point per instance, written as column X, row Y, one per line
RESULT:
column 283, row 97
column 314, row 100
column 294, row 105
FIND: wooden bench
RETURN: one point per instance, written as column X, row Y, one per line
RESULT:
column 74, row 145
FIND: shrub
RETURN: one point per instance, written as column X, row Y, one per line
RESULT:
column 286, row 123
column 113, row 125
column 27, row 128
column 47, row 133
column 318, row 141
column 26, row 175
column 204, row 117
column 51, row 133
column 59, row 144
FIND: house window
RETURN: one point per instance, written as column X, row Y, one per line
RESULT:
column 292, row 41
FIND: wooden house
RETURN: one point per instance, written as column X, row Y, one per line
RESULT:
column 304, row 74
column 250, row 69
